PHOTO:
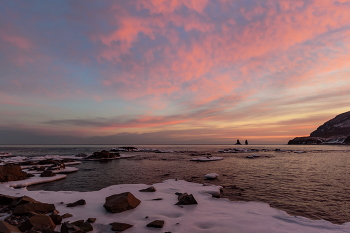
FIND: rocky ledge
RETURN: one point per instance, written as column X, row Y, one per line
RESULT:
column 334, row 131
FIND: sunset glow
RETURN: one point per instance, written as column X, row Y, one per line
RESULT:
column 171, row 71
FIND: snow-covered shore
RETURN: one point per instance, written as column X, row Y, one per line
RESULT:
column 209, row 215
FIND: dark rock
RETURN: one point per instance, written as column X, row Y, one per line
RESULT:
column 186, row 199
column 67, row 215
column 121, row 202
column 238, row 142
column 7, row 200
column 347, row 140
column 103, row 155
column 57, row 219
column 149, row 189
column 116, row 226
column 42, row 208
column 47, row 173
column 11, row 172
column 78, row 222
column 64, row 228
column 7, row 228
column 156, row 224
column 91, row 220
column 86, row 226
column 79, row 202
column 38, row 222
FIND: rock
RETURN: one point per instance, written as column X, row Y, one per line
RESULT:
column 57, row 219
column 91, row 220
column 11, row 172
column 64, row 228
column 7, row 228
column 25, row 199
column 78, row 223
column 238, row 142
column 156, row 224
column 47, row 173
column 67, row 215
column 79, row 202
column 347, row 140
column 42, row 208
column 116, row 226
column 121, row 202
column 38, row 222
column 186, row 199
column 7, row 200
column 149, row 189
column 103, row 155
column 86, row 226
column 211, row 176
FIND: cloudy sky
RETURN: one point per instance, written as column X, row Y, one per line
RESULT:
column 171, row 71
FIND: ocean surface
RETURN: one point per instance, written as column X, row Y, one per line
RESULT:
column 314, row 184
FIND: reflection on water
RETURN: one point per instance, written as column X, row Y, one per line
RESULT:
column 314, row 184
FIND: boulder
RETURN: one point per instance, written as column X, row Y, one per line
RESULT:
column 116, row 226
column 41, row 208
column 149, row 189
column 64, row 228
column 121, row 202
column 11, row 172
column 57, row 219
column 67, row 215
column 47, row 173
column 91, row 220
column 86, row 226
column 79, row 202
column 156, row 224
column 103, row 155
column 7, row 200
column 39, row 222
column 186, row 199
column 7, row 228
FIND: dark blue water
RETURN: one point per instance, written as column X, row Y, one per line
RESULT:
column 314, row 184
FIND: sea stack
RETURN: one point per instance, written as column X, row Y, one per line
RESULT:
column 238, row 142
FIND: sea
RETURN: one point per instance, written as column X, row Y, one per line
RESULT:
column 304, row 180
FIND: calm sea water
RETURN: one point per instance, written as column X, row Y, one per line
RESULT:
column 314, row 184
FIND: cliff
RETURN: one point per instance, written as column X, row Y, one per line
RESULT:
column 334, row 131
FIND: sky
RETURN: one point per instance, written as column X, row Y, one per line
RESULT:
column 171, row 71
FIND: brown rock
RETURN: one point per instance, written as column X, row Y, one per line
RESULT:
column 57, row 219
column 47, row 173
column 38, row 222
column 116, row 226
column 79, row 202
column 186, row 199
column 7, row 200
column 91, row 220
column 64, row 228
column 42, row 208
column 78, row 222
column 7, row 228
column 25, row 199
column 149, row 189
column 121, row 202
column 156, row 224
column 86, row 226
column 67, row 215
column 11, row 172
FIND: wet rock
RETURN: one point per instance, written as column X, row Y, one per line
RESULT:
column 91, row 220
column 64, row 228
column 149, row 189
column 156, row 224
column 121, row 202
column 41, row 208
column 11, row 172
column 86, row 226
column 57, row 219
column 38, row 222
column 7, row 228
column 7, row 200
column 186, row 199
column 67, row 215
column 116, row 226
column 77, row 223
column 47, row 173
column 79, row 202
column 103, row 155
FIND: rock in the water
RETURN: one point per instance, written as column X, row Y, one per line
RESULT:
column 121, row 202
column 78, row 222
column 7, row 200
column 11, row 172
column 186, row 199
column 91, row 220
column 79, row 202
column 149, row 189
column 39, row 222
column 64, row 228
column 156, row 224
column 47, row 173
column 7, row 228
column 41, row 208
column 57, row 219
column 86, row 226
column 211, row 176
column 116, row 226
column 103, row 155
column 67, row 215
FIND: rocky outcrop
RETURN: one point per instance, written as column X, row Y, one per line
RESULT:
column 186, row 199
column 103, row 155
column 121, row 202
column 334, row 131
column 11, row 172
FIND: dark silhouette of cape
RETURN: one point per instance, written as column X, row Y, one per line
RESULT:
column 246, row 142
column 238, row 142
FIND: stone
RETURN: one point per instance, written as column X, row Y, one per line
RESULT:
column 11, row 172
column 25, row 199
column 64, row 228
column 149, row 189
column 156, row 224
column 7, row 200
column 186, row 199
column 39, row 222
column 79, row 202
column 116, row 226
column 86, row 226
column 78, row 222
column 42, row 208
column 7, row 228
column 121, row 202
column 47, row 173
column 57, row 219
column 91, row 220
column 67, row 215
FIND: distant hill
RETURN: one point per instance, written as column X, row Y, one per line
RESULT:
column 334, row 131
